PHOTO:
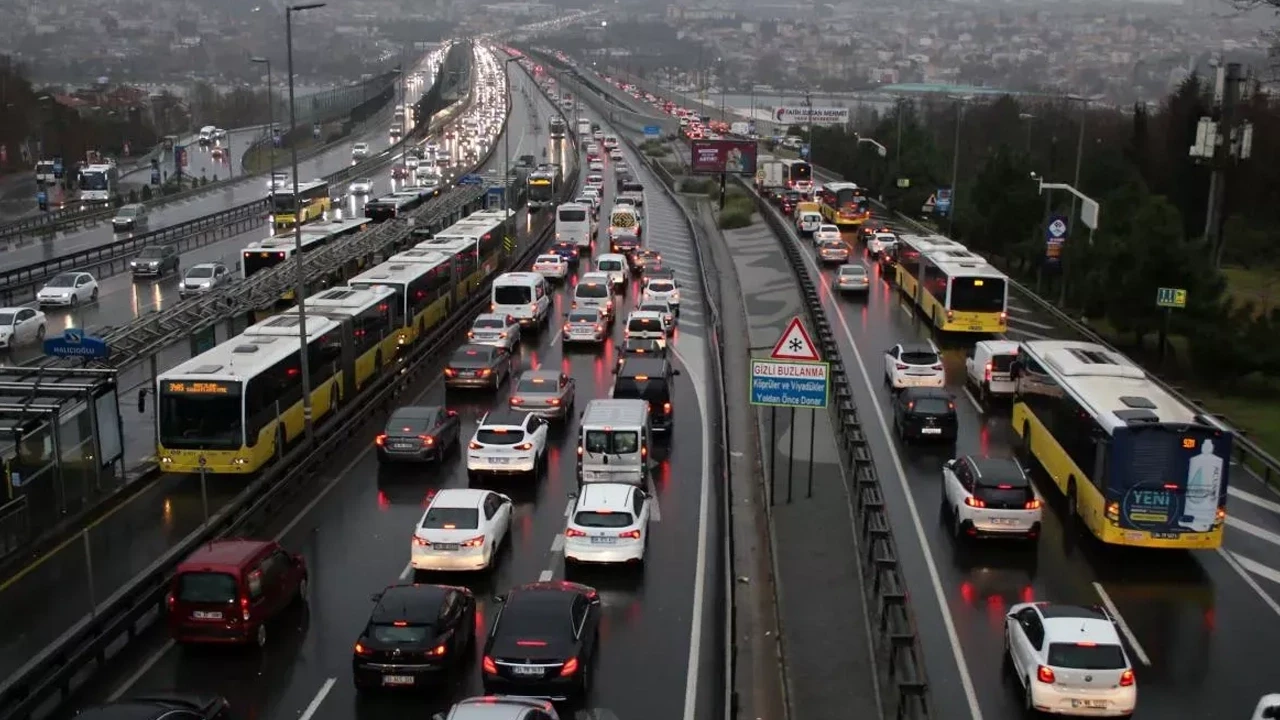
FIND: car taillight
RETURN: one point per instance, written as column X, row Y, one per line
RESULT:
column 666, row 408
column 988, row 371
column 599, row 328
column 473, row 445
column 170, row 601
column 1004, row 316
column 438, row 651
column 1045, row 675
column 427, row 440
column 362, row 650
column 470, row 334
column 1126, row 678
column 380, row 440
column 579, row 451
column 950, row 314
column 574, row 533
column 974, row 502
column 900, row 366
column 608, row 305
column 533, row 307
column 1032, row 505
column 569, row 668
column 486, row 372
column 630, row 534
column 450, row 372
column 244, row 608
column 574, row 305
column 554, row 402
column 474, row 542
column 488, row 665
column 524, row 446
column 517, row 401
column 493, row 307
column 421, row 541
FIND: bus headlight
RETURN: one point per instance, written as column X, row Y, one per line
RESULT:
column 166, row 460
column 240, row 461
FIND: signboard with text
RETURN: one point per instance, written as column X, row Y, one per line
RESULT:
column 805, row 115
column 1055, row 236
column 723, row 156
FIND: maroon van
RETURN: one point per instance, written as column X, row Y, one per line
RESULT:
column 228, row 590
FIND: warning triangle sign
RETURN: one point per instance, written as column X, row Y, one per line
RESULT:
column 933, row 200
column 795, row 344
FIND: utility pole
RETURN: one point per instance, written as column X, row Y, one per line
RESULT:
column 1071, row 222
column 955, row 171
column 1222, row 140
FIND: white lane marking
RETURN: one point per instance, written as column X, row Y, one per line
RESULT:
column 546, row 576
column 568, row 508
column 1032, row 323
column 319, row 698
column 1257, row 568
column 407, row 571
column 1124, row 626
column 972, row 400
column 1235, row 562
column 1253, row 530
column 1252, row 499
column 146, row 668
column 962, row 666
column 557, row 545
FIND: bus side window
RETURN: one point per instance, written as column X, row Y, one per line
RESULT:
column 1101, row 451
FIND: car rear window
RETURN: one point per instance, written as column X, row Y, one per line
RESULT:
column 603, row 519
column 1002, row 363
column 639, row 325
column 932, row 406
column 496, row 323
column 451, row 519
column 612, row 441
column 207, row 587
column 609, row 265
column 653, row 389
column 401, row 634
column 500, row 436
column 470, row 357
column 661, row 286
column 536, row 385
column 1086, row 656
column 919, row 358
column 588, row 290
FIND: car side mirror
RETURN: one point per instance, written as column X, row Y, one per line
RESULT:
column 675, row 372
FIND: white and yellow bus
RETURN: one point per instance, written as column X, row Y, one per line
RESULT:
column 963, row 294
column 311, row 203
column 1137, row 465
column 908, row 254
column 421, row 293
column 371, row 319
column 264, row 254
column 844, row 205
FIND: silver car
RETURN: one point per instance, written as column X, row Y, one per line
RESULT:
column 587, row 325
column 496, row 329
column 546, row 393
column 203, row 278
column 853, row 278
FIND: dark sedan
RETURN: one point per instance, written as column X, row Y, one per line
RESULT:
column 417, row 433
column 569, row 251
column 543, row 641
column 921, row 413
column 415, row 635
column 478, row 366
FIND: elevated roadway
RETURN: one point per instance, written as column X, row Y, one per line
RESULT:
column 354, row 532
column 132, row 535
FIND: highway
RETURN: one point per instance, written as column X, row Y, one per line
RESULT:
column 354, row 532
column 1194, row 622
column 136, row 533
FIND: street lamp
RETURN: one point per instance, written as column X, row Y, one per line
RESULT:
column 300, row 279
column 271, row 121
column 1028, row 117
column 1088, row 215
column 506, row 136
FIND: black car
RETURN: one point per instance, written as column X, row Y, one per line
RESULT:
column 639, row 347
column 925, row 414
column 543, row 641
column 478, row 366
column 569, row 251
column 173, row 706
column 155, row 261
column 418, row 433
column 644, row 259
column 650, row 379
column 415, row 635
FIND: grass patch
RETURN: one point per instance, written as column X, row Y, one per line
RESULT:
column 734, row 218
column 1260, row 286
column 259, row 159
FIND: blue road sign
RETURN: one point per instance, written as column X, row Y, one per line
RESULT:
column 471, row 180
column 942, row 201
column 652, row 131
column 75, row 344
column 790, row 384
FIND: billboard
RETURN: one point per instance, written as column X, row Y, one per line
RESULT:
column 820, row 116
column 718, row 156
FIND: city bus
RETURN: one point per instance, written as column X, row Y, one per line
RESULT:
column 371, row 320
column 233, row 409
column 482, row 234
column 98, row 183
column 908, row 253
column 264, row 254
column 1136, row 465
column 962, row 294
column 311, row 202
column 798, row 175
column 544, row 184
column 844, row 205
column 421, row 294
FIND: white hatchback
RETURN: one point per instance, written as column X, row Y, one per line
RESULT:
column 663, row 289
column 508, row 442
column 914, row 365
column 826, row 233
column 595, row 165
column 461, row 530
column 595, row 182
column 609, row 524
column 496, row 329
column 881, row 242
column 21, row 325
column 551, row 266
column 989, row 497
column 68, row 289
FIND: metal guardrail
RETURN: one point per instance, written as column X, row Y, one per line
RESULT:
column 52, row 675
column 15, row 525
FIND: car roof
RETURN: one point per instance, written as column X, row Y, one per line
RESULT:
column 1075, row 623
column 495, row 316
column 504, row 417
column 997, row 467
column 496, row 707
column 149, row 706
column 597, row 496
column 410, row 602
column 854, row 267
column 225, row 553
column 458, row 498
column 473, row 349
column 644, row 365
column 414, row 411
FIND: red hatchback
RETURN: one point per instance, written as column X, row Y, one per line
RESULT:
column 228, row 590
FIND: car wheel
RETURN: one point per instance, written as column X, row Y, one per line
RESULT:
column 93, row 296
column 302, row 590
column 40, row 333
column 75, row 299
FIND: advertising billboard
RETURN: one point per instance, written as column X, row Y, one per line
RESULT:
column 724, row 156
column 820, row 116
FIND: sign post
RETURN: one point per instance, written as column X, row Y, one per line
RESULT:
column 75, row 344
column 1170, row 299
column 652, row 131
column 793, row 376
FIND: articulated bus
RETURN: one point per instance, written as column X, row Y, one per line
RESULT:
column 371, row 320
column 1138, row 466
column 798, row 175
column 264, row 254
column 484, row 234
column 844, row 205
column 955, row 288
column 907, row 256
column 312, row 202
column 422, row 291
column 233, row 409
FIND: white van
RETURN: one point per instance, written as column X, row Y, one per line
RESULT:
column 206, row 134
column 610, row 142
column 584, row 127
column 618, row 269
column 593, row 292
column 625, row 228
column 573, row 224
column 524, row 296
column 614, row 437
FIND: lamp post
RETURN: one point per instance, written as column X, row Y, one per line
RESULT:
column 271, row 120
column 300, row 279
column 1088, row 215
column 506, row 136
column 955, row 170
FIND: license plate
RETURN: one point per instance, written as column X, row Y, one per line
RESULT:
column 499, row 461
column 526, row 671
column 975, row 328
column 445, row 546
column 931, row 431
column 603, row 541
column 402, row 446
column 1088, row 703
column 397, row 679
column 203, row 615
column 1003, row 521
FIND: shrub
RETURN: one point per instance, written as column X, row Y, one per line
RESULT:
column 145, row 195
column 734, row 218
column 133, row 196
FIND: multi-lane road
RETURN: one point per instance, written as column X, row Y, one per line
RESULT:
column 355, row 529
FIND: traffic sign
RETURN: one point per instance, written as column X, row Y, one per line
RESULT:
column 1171, row 298
column 795, row 344
column 790, row 384
column 471, row 180
column 74, row 343
column 652, row 131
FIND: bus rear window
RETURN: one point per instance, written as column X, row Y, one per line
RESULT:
column 977, row 294
column 573, row 216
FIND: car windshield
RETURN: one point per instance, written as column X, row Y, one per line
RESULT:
column 592, row 290
column 200, row 272
column 6, row 319
column 499, row 436
column 207, row 587
column 919, row 358
column 401, row 634
column 603, row 519
column 451, row 519
column 488, row 323
column 128, row 211
column 151, row 253
column 1090, row 656
column 364, row 181
column 536, row 385
column 63, row 280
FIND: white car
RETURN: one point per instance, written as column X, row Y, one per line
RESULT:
column 825, row 233
column 591, row 196
column 853, row 278
column 277, row 181
column 595, row 165
column 659, row 307
column 1069, row 660
column 20, row 325
column 68, row 289
column 881, row 242
column 411, row 162
column 361, row 186
column 989, row 497
column 552, row 267
column 595, row 182
column 495, row 329
column 663, row 289
column 615, row 154
column 462, row 529
column 609, row 524
column 508, row 442
column 360, row 151
column 914, row 365
column 585, row 325
column 809, row 222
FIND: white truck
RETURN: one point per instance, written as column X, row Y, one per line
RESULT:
column 987, row 369
column 771, row 174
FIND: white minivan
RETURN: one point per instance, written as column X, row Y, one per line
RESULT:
column 613, row 442
column 524, row 296
column 573, row 224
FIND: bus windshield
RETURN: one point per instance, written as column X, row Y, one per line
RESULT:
column 970, row 294
column 93, row 181
column 255, row 261
column 195, row 422
column 801, row 172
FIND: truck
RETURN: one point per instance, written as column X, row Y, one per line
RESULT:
column 771, row 175
column 46, row 172
column 584, row 127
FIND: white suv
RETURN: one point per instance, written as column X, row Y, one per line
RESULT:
column 881, row 242
column 825, row 233
column 1069, row 660
column 914, row 365
column 664, row 289
column 990, row 497
column 508, row 442
column 609, row 523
